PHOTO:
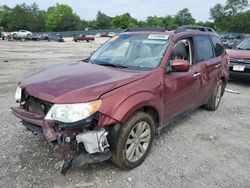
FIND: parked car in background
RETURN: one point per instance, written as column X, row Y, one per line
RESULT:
column 230, row 40
column 44, row 36
column 21, row 34
column 98, row 35
column 240, row 58
column 82, row 37
column 113, row 104
column 104, row 34
column 58, row 37
column 111, row 34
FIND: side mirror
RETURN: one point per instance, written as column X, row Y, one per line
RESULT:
column 91, row 53
column 180, row 65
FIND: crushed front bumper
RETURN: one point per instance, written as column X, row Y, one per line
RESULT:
column 78, row 143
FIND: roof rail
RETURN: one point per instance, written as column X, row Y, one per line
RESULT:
column 197, row 28
column 159, row 29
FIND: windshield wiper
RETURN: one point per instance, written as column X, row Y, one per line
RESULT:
column 113, row 65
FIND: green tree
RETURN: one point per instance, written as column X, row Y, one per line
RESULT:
column 19, row 18
column 154, row 21
column 234, row 6
column 225, row 17
column 184, row 17
column 103, row 21
column 37, row 18
column 170, row 22
column 240, row 23
column 4, row 16
column 62, row 18
column 123, row 21
column 22, row 17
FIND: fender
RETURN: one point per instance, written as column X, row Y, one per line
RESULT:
column 135, row 102
column 119, row 104
column 121, row 111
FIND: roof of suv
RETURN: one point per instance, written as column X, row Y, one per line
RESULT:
column 184, row 30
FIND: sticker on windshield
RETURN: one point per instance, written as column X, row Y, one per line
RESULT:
column 158, row 36
column 114, row 38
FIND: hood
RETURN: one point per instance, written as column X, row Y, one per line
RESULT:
column 239, row 54
column 77, row 82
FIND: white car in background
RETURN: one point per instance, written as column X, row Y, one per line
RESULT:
column 21, row 34
column 111, row 34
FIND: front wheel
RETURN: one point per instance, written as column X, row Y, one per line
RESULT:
column 215, row 99
column 134, row 141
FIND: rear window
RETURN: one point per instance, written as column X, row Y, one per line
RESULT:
column 204, row 49
column 218, row 46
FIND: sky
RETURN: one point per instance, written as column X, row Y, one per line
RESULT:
column 139, row 9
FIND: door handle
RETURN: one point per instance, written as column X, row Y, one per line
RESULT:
column 217, row 66
column 197, row 74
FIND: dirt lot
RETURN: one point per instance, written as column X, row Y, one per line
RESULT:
column 203, row 149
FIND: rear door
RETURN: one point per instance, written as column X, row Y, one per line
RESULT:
column 205, row 57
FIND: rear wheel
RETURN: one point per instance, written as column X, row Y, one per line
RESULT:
column 215, row 99
column 134, row 141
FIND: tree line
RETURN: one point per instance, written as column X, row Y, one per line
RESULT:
column 61, row 17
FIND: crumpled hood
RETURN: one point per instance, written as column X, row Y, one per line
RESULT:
column 77, row 82
column 239, row 54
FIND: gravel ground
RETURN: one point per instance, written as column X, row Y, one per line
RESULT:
column 203, row 149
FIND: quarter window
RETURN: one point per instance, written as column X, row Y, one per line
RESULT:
column 204, row 49
column 218, row 47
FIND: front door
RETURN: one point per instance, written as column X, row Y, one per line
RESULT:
column 181, row 89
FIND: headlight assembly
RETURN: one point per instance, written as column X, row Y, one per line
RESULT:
column 18, row 94
column 71, row 113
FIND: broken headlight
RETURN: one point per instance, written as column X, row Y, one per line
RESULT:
column 71, row 113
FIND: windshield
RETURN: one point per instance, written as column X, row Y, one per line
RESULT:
column 132, row 51
column 244, row 44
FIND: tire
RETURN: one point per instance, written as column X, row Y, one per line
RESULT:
column 87, row 40
column 215, row 99
column 130, row 151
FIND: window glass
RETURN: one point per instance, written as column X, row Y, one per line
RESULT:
column 181, row 50
column 204, row 49
column 140, row 52
column 244, row 44
column 218, row 47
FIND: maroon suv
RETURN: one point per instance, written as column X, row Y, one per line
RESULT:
column 112, row 104
column 240, row 58
column 82, row 37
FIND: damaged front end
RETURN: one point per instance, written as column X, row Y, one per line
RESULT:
column 80, row 138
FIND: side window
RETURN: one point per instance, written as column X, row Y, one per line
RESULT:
column 218, row 46
column 182, row 50
column 203, row 49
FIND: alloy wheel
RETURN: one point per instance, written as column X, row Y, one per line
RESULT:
column 138, row 141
